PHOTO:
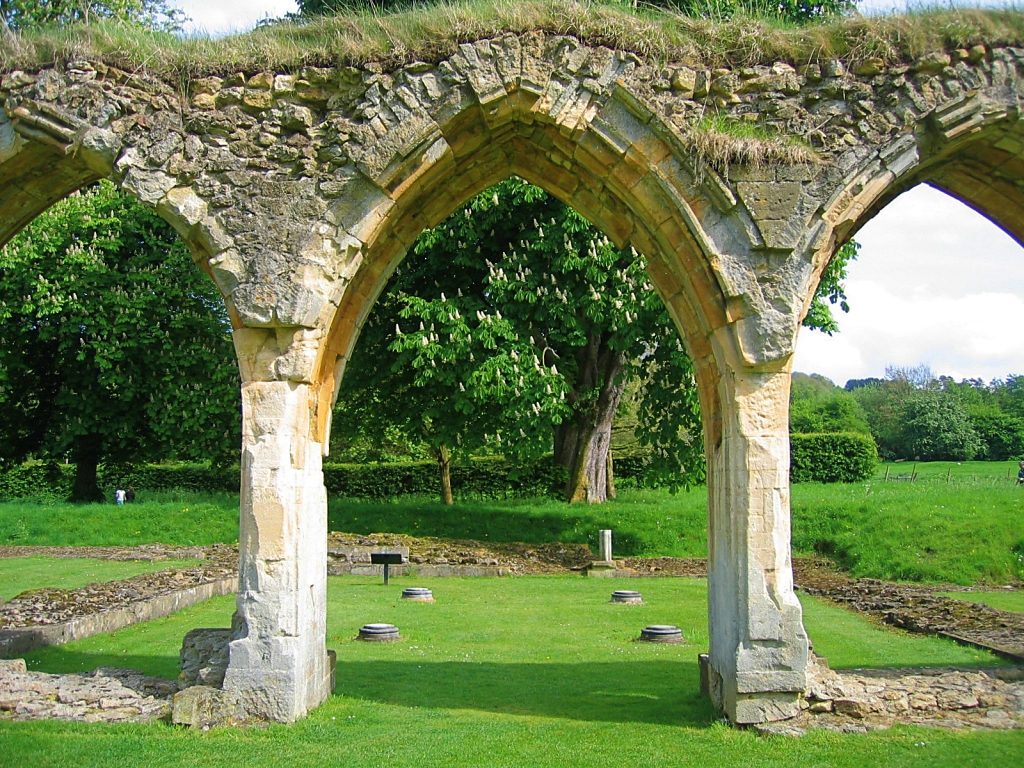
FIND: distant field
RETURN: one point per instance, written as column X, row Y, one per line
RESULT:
column 18, row 574
column 966, row 530
column 964, row 472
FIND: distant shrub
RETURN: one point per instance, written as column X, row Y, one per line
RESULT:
column 832, row 457
column 485, row 478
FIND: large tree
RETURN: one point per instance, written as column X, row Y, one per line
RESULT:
column 113, row 345
column 522, row 324
column 516, row 325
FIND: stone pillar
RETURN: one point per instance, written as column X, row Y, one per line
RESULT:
column 278, row 657
column 758, row 659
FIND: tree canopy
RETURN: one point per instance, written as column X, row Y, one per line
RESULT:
column 114, row 346
column 151, row 14
column 515, row 326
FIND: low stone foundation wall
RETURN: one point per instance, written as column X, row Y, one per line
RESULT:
column 19, row 641
column 423, row 571
column 861, row 700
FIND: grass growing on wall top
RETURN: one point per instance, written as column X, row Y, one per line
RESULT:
column 434, row 32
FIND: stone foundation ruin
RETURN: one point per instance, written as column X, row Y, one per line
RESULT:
column 299, row 192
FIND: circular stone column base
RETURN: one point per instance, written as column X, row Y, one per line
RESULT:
column 627, row 596
column 661, row 633
column 418, row 595
column 378, row 633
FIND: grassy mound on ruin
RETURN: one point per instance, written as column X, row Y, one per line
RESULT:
column 434, row 31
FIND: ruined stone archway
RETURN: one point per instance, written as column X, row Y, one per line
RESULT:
column 299, row 192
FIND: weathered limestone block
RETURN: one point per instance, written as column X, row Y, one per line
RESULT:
column 204, row 657
column 201, row 706
column 278, row 657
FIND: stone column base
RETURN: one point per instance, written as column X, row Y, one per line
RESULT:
column 746, row 708
column 603, row 569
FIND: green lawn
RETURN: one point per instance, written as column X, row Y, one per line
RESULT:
column 1004, row 601
column 535, row 671
column 169, row 517
column 20, row 573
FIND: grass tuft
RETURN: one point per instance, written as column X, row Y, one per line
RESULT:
column 434, row 32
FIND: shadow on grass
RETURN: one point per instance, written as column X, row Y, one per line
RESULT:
column 514, row 521
column 657, row 692
column 56, row 660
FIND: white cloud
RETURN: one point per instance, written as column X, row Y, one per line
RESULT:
column 936, row 283
column 222, row 17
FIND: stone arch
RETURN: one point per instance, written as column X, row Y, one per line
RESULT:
column 299, row 192
column 590, row 177
column 971, row 148
column 43, row 159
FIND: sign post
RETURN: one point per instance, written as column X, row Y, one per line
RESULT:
column 387, row 559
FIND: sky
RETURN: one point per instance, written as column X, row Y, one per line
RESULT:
column 935, row 284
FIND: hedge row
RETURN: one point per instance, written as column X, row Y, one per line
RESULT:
column 39, row 479
column 481, row 478
column 835, row 457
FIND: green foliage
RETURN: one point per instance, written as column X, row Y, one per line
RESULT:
column 114, row 344
column 833, row 457
column 792, row 11
column 831, row 290
column 937, row 428
column 795, row 11
column 818, row 405
column 513, row 318
column 484, row 478
column 48, row 481
column 148, row 14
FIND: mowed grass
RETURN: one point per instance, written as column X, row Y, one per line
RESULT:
column 177, row 518
column 533, row 671
column 18, row 574
column 965, row 531
column 645, row 522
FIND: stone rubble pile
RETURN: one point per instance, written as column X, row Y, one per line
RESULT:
column 108, row 694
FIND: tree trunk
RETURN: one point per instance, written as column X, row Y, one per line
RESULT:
column 583, row 443
column 611, row 474
column 444, row 464
column 87, row 452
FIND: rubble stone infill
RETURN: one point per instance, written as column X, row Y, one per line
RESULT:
column 109, row 694
column 146, row 552
column 46, row 606
column 514, row 557
column 920, row 609
column 857, row 701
